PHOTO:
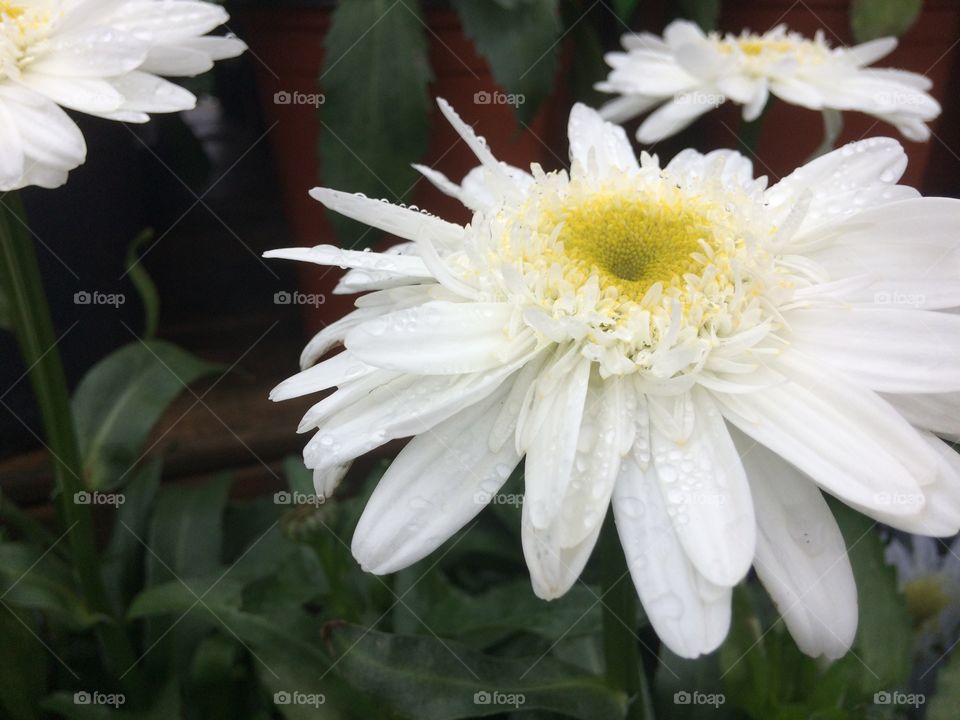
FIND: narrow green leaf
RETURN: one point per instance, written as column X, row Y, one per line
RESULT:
column 871, row 19
column 521, row 45
column 373, row 122
column 123, row 560
column 24, row 665
column 186, row 532
column 121, row 398
column 431, row 679
column 144, row 283
column 884, row 638
column 33, row 579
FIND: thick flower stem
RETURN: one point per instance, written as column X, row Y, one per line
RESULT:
column 621, row 648
column 30, row 316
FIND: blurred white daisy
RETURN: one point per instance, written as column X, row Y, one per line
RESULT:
column 686, row 73
column 100, row 57
column 701, row 350
column 930, row 582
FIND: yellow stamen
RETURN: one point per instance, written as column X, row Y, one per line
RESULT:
column 633, row 244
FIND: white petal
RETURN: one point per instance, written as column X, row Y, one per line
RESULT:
column 439, row 338
column 409, row 265
column 847, row 439
column 674, row 116
column 595, row 143
column 143, row 92
column 94, row 53
column 339, row 369
column 601, row 441
column 553, row 568
column 434, row 487
column 706, row 494
column 801, row 555
column 888, row 350
column 908, row 251
column 938, row 413
column 558, row 415
column 403, row 222
column 83, row 94
column 689, row 613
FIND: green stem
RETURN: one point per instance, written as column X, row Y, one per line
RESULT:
column 30, row 315
column 749, row 138
column 621, row 649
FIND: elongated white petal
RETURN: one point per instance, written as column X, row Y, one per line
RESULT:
column 939, row 413
column 550, row 456
column 337, row 370
column 403, row 222
column 801, row 556
column 438, row 338
column 884, row 349
column 598, row 144
column 409, row 265
column 553, row 568
column 689, row 613
column 434, row 487
column 908, row 251
column 847, row 439
column 706, row 494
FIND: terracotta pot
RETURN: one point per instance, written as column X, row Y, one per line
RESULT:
column 791, row 134
column 288, row 43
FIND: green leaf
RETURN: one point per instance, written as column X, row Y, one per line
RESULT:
column 521, row 45
column 123, row 560
column 186, row 532
column 121, row 398
column 624, row 8
column 944, row 704
column 143, row 283
column 24, row 665
column 34, row 579
column 884, row 639
column 485, row 619
column 373, row 123
column 431, row 679
column 871, row 19
column 706, row 13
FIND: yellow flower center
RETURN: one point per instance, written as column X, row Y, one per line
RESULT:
column 925, row 599
column 10, row 10
column 757, row 45
column 633, row 244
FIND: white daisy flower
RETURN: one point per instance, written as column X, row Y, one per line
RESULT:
column 100, row 57
column 930, row 582
column 686, row 73
column 701, row 351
